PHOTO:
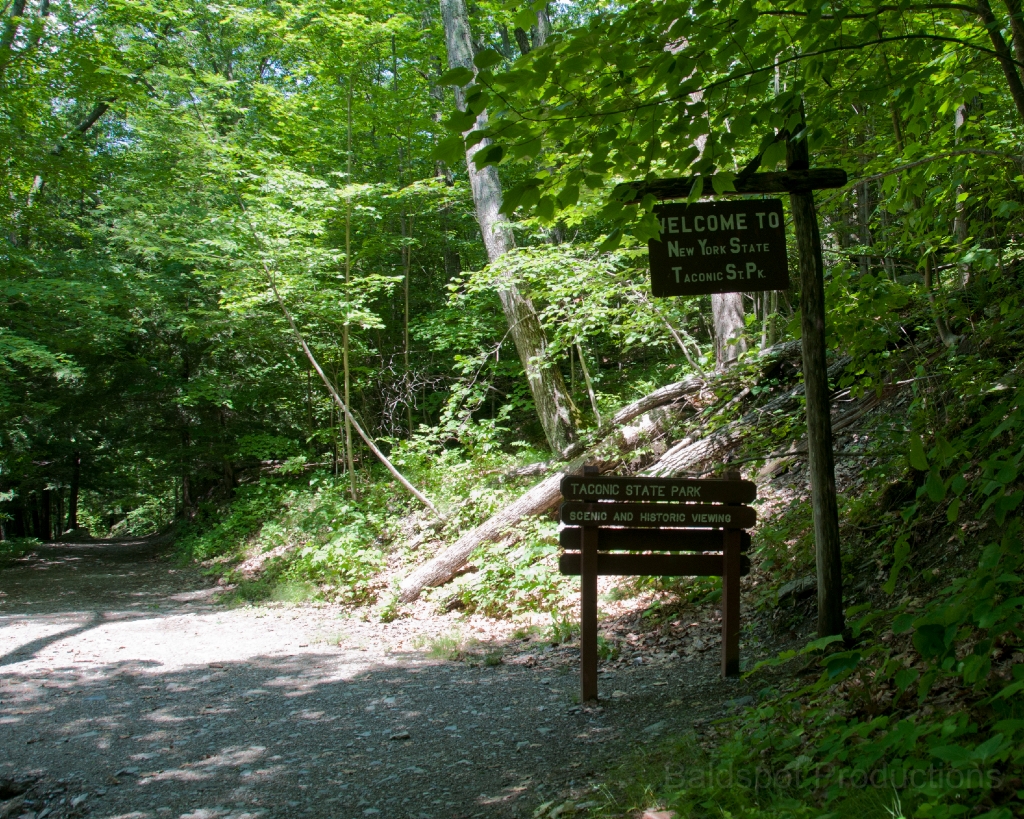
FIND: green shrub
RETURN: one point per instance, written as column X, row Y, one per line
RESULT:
column 324, row 544
column 13, row 548
column 523, row 578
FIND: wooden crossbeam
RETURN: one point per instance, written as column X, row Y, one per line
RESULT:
column 766, row 182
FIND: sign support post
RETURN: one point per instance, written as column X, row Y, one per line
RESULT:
column 588, row 606
column 821, row 460
column 588, row 614
column 731, row 603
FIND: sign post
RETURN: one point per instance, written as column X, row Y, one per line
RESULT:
column 820, row 459
column 707, row 517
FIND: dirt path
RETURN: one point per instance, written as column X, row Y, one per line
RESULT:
column 127, row 691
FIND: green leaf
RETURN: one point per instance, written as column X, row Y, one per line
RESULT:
column 901, row 555
column 611, row 241
column 696, row 190
column 930, row 640
column 903, row 623
column 975, row 668
column 989, row 748
column 820, row 643
column 456, row 76
column 1006, row 504
column 450, row 149
column 526, row 18
column 905, row 678
column 1009, row 691
column 841, row 663
column 491, row 155
column 723, row 181
column 569, row 196
column 954, row 754
column 953, row 512
column 934, row 486
column 917, row 458
column 487, row 57
column 773, row 155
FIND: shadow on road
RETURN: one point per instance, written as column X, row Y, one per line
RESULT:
column 162, row 704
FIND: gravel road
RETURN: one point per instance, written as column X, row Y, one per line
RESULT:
column 127, row 691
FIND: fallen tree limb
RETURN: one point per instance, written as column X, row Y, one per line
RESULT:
column 670, row 394
column 777, row 461
column 663, row 396
column 615, row 439
column 687, row 455
column 534, row 501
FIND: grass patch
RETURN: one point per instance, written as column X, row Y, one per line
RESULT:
column 11, row 550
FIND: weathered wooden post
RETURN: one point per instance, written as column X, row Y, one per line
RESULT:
column 588, row 607
column 821, row 461
column 731, row 597
column 731, row 603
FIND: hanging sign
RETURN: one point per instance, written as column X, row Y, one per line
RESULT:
column 719, row 247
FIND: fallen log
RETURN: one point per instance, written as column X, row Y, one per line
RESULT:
column 663, row 396
column 534, row 501
column 689, row 454
column 615, row 439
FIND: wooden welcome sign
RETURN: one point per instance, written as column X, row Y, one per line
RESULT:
column 705, row 518
column 719, row 247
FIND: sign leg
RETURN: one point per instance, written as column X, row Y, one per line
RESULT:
column 820, row 457
column 731, row 604
column 588, row 615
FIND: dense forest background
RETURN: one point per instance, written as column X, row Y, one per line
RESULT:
column 235, row 235
column 164, row 165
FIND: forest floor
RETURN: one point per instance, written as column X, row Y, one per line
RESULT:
column 127, row 690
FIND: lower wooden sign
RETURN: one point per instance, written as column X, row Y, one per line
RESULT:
column 653, row 540
column 654, row 565
column 651, row 515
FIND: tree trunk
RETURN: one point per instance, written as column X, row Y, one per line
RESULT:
column 590, row 384
column 406, row 274
column 863, row 225
column 1017, row 32
column 727, row 314
column 12, row 24
column 45, row 517
column 523, row 41
column 58, row 518
column 542, row 30
column 76, row 478
column 828, row 558
column 554, row 405
column 349, row 454
column 1010, row 72
column 946, row 336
